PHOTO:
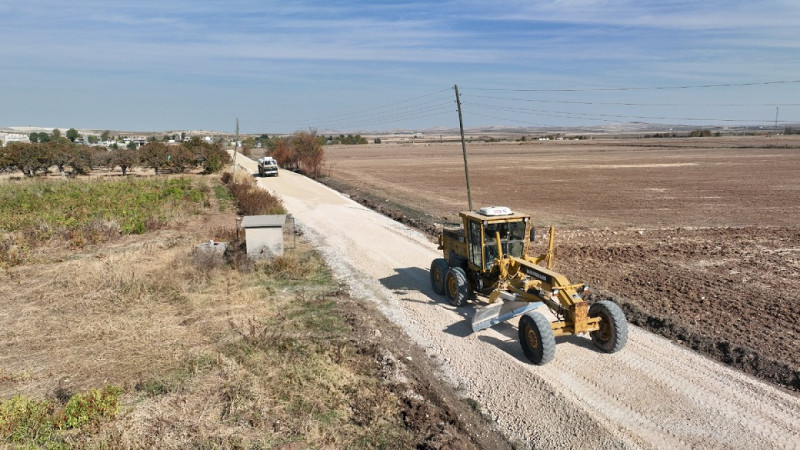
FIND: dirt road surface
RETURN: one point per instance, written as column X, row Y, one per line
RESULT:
column 653, row 394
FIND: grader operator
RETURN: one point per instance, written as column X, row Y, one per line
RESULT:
column 488, row 255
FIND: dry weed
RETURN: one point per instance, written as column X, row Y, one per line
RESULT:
column 206, row 356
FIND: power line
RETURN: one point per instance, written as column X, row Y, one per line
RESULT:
column 439, row 104
column 569, row 114
column 654, row 88
column 573, row 102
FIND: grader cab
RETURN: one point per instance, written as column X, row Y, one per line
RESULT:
column 488, row 256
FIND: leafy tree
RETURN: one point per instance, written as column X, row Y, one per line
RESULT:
column 56, row 133
column 72, row 134
column 125, row 159
column 39, row 137
column 308, row 147
column 80, row 159
column 92, row 139
column 101, row 157
column 265, row 141
column 180, row 157
column 29, row 158
column 211, row 156
column 7, row 162
column 59, row 153
column 105, row 136
column 214, row 158
column 154, row 155
column 284, row 154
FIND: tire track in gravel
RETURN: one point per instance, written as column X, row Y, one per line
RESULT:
column 653, row 394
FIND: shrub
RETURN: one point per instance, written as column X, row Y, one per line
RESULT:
column 24, row 420
column 34, row 422
column 253, row 200
column 91, row 407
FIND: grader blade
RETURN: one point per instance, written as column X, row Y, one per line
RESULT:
column 500, row 312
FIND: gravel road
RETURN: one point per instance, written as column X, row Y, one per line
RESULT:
column 653, row 394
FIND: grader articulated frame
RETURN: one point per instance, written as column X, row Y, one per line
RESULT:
column 488, row 255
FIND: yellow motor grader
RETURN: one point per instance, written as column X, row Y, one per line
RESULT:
column 488, row 255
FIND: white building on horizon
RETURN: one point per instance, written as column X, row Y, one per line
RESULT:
column 5, row 138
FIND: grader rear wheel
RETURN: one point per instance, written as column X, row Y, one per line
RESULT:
column 536, row 337
column 457, row 286
column 613, row 332
column 439, row 268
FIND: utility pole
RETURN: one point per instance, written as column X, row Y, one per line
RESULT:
column 777, row 108
column 463, row 146
column 235, row 148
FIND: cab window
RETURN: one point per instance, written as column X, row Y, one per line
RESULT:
column 475, row 243
column 512, row 240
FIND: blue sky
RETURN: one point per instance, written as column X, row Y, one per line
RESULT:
column 356, row 66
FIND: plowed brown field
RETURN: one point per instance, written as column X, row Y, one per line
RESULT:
column 698, row 239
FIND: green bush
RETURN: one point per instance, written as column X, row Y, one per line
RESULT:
column 36, row 422
column 26, row 420
column 91, row 407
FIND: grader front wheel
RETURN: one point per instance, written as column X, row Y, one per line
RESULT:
column 613, row 332
column 536, row 337
column 456, row 286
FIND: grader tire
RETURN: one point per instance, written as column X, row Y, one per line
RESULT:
column 613, row 332
column 536, row 337
column 456, row 286
column 439, row 268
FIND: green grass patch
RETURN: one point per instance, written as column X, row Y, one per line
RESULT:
column 224, row 196
column 33, row 212
column 62, row 205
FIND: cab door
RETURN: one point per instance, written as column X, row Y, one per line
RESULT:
column 475, row 233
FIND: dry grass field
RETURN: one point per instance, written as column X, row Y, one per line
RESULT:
column 697, row 238
column 205, row 354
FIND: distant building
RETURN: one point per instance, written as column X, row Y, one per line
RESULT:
column 5, row 138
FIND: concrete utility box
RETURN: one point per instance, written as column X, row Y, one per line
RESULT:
column 264, row 235
column 210, row 254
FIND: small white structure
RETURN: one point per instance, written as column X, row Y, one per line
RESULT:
column 210, row 254
column 264, row 235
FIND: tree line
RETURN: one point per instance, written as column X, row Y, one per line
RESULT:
column 39, row 157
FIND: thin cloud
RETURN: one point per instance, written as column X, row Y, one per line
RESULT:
column 332, row 52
